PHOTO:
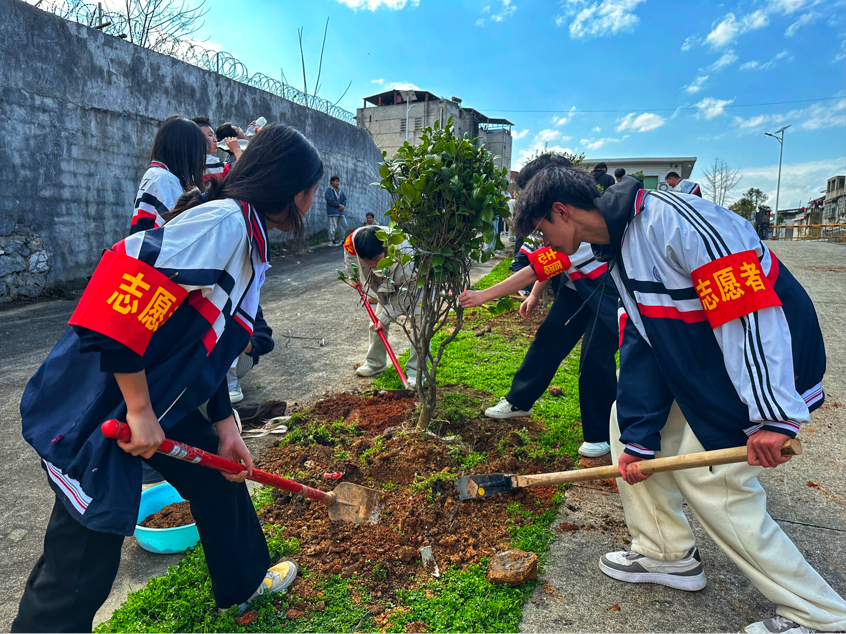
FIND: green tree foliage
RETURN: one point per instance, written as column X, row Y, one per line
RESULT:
column 749, row 203
column 446, row 193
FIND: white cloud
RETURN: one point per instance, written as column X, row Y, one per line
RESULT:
column 710, row 108
column 506, row 10
column 805, row 18
column 519, row 135
column 597, row 129
column 727, row 30
column 756, row 65
column 372, row 5
column 402, row 85
column 377, row 81
column 800, row 182
column 598, row 18
column 565, row 118
column 790, row 6
column 537, row 146
column 547, row 135
column 842, row 54
column 817, row 116
column 590, row 146
column 696, row 85
column 689, row 42
column 640, row 123
column 726, row 59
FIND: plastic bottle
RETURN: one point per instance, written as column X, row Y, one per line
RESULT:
column 255, row 127
column 242, row 142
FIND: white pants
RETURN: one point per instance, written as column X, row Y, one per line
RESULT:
column 240, row 366
column 334, row 233
column 732, row 507
column 377, row 354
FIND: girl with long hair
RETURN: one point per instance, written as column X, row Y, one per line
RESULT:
column 163, row 317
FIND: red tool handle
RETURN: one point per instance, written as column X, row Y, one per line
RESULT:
column 120, row 431
column 375, row 320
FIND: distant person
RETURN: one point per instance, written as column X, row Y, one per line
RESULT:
column 176, row 165
column 601, row 177
column 230, row 135
column 261, row 343
column 214, row 165
column 678, row 184
column 369, row 219
column 619, row 173
column 336, row 202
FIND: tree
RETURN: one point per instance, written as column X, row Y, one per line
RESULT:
column 720, row 181
column 748, row 204
column 446, row 194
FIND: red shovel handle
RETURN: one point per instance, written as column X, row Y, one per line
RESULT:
column 120, row 431
column 381, row 334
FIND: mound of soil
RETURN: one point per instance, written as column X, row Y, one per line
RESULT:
column 372, row 413
column 171, row 516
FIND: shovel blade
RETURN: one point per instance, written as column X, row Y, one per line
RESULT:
column 482, row 486
column 355, row 504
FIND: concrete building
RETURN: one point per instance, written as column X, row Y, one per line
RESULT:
column 834, row 207
column 397, row 116
column 654, row 168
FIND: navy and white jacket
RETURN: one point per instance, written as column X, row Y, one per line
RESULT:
column 581, row 272
column 711, row 320
column 262, row 339
column 216, row 254
column 215, row 167
column 157, row 194
column 688, row 187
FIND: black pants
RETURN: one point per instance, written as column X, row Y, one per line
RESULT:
column 552, row 343
column 74, row 576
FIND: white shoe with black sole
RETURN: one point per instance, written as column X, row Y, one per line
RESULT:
column 684, row 574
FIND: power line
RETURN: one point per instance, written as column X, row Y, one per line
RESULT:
column 739, row 105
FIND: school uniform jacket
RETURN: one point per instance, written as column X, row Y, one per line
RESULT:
column 581, row 272
column 688, row 187
column 157, row 194
column 215, row 168
column 179, row 302
column 711, row 320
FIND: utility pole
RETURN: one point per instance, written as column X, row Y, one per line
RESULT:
column 780, row 154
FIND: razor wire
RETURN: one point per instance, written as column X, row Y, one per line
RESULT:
column 191, row 52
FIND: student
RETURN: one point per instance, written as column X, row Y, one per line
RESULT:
column 230, row 135
column 163, row 317
column 364, row 249
column 601, row 176
column 336, row 203
column 678, row 184
column 369, row 219
column 261, row 343
column 619, row 173
column 721, row 347
column 566, row 323
column 176, row 165
column 214, row 166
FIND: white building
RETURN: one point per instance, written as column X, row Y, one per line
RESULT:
column 654, row 168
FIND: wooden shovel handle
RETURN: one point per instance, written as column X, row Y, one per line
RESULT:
column 791, row 447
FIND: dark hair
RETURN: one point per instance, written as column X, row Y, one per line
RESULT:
column 333, row 179
column 573, row 186
column 533, row 167
column 367, row 245
column 202, row 121
column 672, row 175
column 225, row 130
column 619, row 172
column 181, row 145
column 600, row 166
column 278, row 164
column 370, row 213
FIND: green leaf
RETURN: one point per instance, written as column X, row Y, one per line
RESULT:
column 437, row 260
column 396, row 239
column 384, row 263
column 447, row 251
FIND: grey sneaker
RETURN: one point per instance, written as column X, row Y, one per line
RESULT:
column 632, row 567
column 777, row 625
column 504, row 409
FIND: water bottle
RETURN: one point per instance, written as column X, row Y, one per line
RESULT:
column 242, row 142
column 255, row 127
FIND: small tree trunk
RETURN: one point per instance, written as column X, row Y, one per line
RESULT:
column 428, row 402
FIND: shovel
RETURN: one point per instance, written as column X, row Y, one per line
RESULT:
column 383, row 337
column 479, row 486
column 347, row 502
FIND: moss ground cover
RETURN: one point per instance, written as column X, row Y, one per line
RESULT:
column 476, row 370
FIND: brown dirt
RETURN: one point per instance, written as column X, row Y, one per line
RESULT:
column 171, row 516
column 373, row 413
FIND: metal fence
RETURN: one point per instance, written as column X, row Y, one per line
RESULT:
column 816, row 233
column 191, row 52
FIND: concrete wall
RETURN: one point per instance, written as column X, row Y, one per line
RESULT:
column 79, row 113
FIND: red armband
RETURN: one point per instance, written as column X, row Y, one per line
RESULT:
column 348, row 245
column 733, row 286
column 127, row 300
column 548, row 263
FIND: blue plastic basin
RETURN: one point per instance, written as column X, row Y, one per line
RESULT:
column 163, row 541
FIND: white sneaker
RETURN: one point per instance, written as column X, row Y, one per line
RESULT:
column 504, row 409
column 369, row 370
column 594, row 449
column 777, row 625
column 277, row 579
column 632, row 567
column 236, row 395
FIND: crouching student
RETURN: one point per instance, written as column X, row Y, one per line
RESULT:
column 176, row 165
column 261, row 343
column 163, row 317
column 721, row 347
column 364, row 249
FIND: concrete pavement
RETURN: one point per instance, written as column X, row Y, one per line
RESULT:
column 806, row 496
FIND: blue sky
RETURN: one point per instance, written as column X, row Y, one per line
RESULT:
column 673, row 78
